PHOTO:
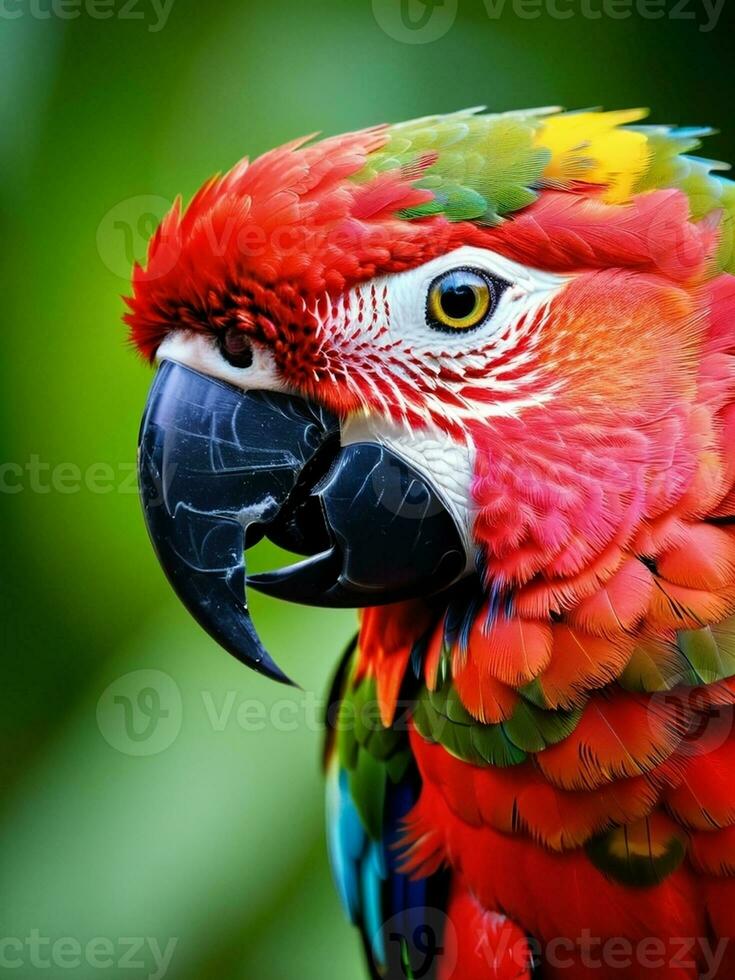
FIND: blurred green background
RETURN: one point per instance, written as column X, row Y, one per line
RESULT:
column 207, row 829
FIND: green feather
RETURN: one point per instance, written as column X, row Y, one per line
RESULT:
column 711, row 660
column 637, row 856
column 367, row 789
column 370, row 752
column 440, row 717
column 656, row 666
column 534, row 730
column 494, row 746
column 698, row 657
column 485, row 166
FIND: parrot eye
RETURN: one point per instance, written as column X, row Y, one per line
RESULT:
column 462, row 299
column 236, row 348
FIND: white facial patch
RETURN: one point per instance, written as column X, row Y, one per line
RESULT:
column 529, row 290
column 386, row 319
column 200, row 352
column 448, row 465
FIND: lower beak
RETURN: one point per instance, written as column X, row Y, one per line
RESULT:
column 219, row 468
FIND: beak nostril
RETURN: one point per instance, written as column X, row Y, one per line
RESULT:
column 236, row 348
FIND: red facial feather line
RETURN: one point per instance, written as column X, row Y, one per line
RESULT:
column 419, row 384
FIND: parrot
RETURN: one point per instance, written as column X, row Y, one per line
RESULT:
column 476, row 371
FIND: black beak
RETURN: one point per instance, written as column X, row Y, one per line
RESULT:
column 219, row 468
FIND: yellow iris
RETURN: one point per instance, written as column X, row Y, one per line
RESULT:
column 458, row 300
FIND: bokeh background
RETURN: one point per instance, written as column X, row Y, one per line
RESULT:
column 197, row 818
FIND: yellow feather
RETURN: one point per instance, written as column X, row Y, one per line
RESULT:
column 592, row 146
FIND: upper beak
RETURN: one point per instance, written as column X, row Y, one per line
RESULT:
column 219, row 467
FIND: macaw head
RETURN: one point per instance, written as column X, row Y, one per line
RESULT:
column 463, row 347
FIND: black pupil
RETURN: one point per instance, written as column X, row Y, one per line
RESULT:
column 458, row 301
column 236, row 348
